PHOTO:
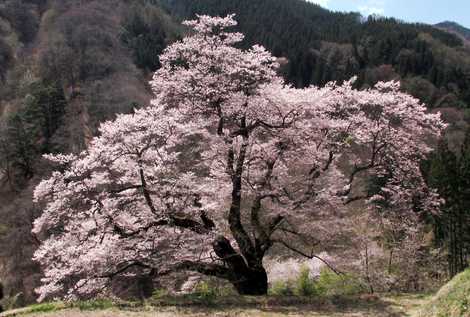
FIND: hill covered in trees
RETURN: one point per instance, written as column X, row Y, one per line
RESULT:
column 456, row 28
column 66, row 65
column 322, row 46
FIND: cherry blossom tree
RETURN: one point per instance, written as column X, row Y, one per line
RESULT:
column 225, row 163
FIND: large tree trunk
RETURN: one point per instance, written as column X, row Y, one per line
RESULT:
column 251, row 282
column 1, row 296
column 243, row 267
column 247, row 279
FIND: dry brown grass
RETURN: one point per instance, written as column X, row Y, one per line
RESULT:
column 396, row 306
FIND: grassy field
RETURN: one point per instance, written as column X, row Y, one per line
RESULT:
column 271, row 306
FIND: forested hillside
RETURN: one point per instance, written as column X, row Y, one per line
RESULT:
column 456, row 28
column 67, row 65
column 322, row 46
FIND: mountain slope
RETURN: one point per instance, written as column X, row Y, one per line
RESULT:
column 65, row 66
column 455, row 28
column 322, row 46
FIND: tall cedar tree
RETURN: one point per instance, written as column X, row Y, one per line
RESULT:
column 449, row 172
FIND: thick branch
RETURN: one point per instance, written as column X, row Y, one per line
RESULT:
column 261, row 237
column 124, row 269
column 234, row 218
column 184, row 223
column 123, row 189
column 355, row 198
column 274, row 224
column 314, row 173
column 372, row 161
column 285, row 122
column 147, row 197
column 190, row 224
column 224, row 250
column 209, row 269
column 308, row 256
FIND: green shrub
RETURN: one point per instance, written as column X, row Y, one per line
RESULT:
column 452, row 300
column 227, row 290
column 96, row 304
column 12, row 302
column 159, row 293
column 206, row 292
column 304, row 284
column 281, row 288
column 327, row 283
column 43, row 308
column 331, row 284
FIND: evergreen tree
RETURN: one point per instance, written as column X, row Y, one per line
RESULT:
column 146, row 37
column 21, row 146
column 44, row 108
column 28, row 132
column 449, row 172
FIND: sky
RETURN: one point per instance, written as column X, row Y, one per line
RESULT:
column 427, row 11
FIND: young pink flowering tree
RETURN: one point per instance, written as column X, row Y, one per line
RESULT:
column 226, row 162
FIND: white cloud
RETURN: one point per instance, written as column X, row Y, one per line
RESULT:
column 366, row 7
column 373, row 7
column 369, row 10
column 323, row 3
